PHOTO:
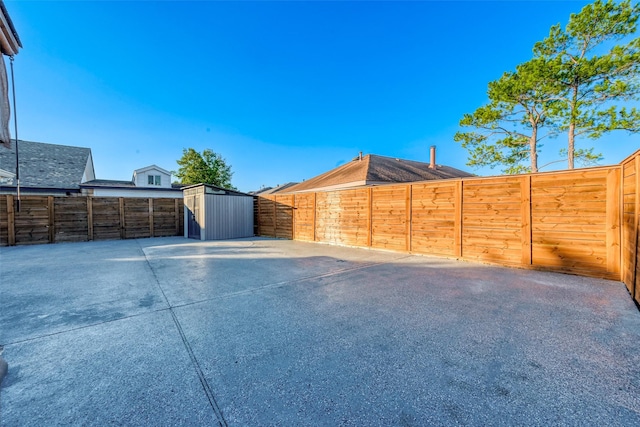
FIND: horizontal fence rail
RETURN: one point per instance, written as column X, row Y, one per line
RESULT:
column 49, row 219
column 582, row 221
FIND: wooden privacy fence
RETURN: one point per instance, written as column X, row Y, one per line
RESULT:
column 631, row 224
column 48, row 219
column 566, row 221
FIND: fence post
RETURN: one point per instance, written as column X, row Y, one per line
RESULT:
column 259, row 216
column 51, row 214
column 636, row 278
column 613, row 221
column 151, row 217
column 314, row 215
column 525, row 212
column 177, row 216
column 369, row 217
column 275, row 217
column 293, row 218
column 457, row 220
column 11, row 221
column 122, row 230
column 89, row 218
column 408, row 213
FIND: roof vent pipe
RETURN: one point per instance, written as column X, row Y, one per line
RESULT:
column 360, row 156
column 432, row 157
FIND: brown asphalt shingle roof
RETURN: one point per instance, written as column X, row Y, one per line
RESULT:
column 374, row 169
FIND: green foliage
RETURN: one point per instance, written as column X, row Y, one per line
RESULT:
column 206, row 168
column 508, row 129
column 577, row 82
column 595, row 74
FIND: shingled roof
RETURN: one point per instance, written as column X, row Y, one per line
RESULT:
column 373, row 169
column 48, row 165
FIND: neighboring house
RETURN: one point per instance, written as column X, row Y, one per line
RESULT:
column 45, row 169
column 6, row 177
column 375, row 170
column 62, row 170
column 150, row 182
column 273, row 190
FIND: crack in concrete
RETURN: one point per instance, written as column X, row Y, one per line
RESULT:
column 203, row 380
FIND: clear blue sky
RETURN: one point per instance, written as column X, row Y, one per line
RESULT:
column 283, row 90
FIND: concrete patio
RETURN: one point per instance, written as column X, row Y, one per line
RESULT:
column 273, row 332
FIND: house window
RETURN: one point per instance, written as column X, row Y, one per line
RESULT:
column 150, row 178
column 154, row 180
column 157, row 179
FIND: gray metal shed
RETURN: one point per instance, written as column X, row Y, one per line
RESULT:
column 214, row 213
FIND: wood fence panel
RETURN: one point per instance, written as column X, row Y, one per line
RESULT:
column 106, row 218
column 304, row 216
column 492, row 220
column 284, row 216
column 433, row 217
column 389, row 217
column 631, row 225
column 164, row 218
column 569, row 222
column 49, row 219
column 136, row 218
column 267, row 223
column 342, row 217
column 629, row 241
column 70, row 219
column 32, row 222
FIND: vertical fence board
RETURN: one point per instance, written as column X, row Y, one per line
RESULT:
column 11, row 221
column 51, row 209
column 369, row 210
column 408, row 194
column 90, row 218
column 151, row 217
column 525, row 200
column 122, row 222
column 457, row 218
column 613, row 212
column 636, row 294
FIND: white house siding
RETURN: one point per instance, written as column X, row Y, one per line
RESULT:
column 153, row 194
column 141, row 179
column 227, row 217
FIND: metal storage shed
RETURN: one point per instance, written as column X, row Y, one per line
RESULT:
column 214, row 213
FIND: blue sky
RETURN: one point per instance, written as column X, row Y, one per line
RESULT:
column 282, row 90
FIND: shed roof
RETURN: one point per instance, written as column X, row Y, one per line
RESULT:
column 374, row 169
column 45, row 165
column 218, row 190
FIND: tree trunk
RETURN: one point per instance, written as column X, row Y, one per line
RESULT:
column 572, row 127
column 571, row 146
column 533, row 149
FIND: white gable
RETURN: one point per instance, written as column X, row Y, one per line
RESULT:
column 152, row 176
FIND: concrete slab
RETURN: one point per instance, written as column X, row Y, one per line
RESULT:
column 197, row 271
column 132, row 371
column 48, row 289
column 274, row 332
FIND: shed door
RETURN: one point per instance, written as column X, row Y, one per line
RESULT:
column 194, row 227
